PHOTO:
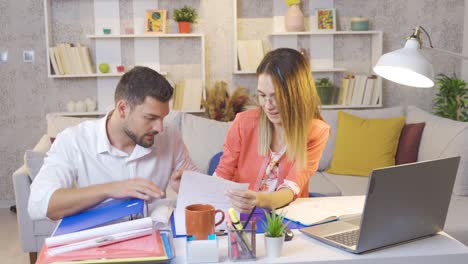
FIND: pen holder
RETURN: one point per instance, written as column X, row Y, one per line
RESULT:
column 242, row 243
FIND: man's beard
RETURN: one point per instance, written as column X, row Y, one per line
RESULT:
column 139, row 140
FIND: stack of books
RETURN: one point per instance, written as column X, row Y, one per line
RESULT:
column 69, row 59
column 108, row 233
column 359, row 89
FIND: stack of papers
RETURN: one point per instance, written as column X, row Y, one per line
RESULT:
column 85, row 237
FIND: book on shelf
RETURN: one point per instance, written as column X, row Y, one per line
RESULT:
column 359, row 89
column 322, row 209
column 54, row 62
column 369, row 89
column 376, row 94
column 350, row 90
column 70, row 59
column 188, row 95
column 250, row 54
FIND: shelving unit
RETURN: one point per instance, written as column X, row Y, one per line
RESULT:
column 326, row 49
column 109, row 49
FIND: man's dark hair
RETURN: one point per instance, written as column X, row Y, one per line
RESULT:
column 140, row 82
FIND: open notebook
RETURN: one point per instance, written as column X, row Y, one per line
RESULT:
column 314, row 211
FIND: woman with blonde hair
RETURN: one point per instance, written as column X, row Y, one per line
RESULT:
column 276, row 147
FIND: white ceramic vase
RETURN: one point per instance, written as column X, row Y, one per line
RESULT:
column 71, row 106
column 294, row 19
column 273, row 246
column 90, row 104
column 80, row 106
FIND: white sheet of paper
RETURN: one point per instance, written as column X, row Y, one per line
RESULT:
column 205, row 189
column 308, row 211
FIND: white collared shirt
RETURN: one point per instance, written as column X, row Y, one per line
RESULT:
column 82, row 155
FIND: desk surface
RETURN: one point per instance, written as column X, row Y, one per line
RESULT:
column 440, row 248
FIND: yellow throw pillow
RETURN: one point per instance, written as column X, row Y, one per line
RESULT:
column 365, row 144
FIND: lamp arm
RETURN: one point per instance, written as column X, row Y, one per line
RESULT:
column 448, row 52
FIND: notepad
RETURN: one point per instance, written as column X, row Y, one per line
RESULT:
column 314, row 211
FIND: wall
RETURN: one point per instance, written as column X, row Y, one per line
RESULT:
column 26, row 94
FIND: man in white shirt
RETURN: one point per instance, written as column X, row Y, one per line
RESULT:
column 128, row 153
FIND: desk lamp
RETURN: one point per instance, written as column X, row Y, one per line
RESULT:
column 408, row 66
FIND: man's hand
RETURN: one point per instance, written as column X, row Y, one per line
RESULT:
column 138, row 188
column 242, row 200
column 175, row 180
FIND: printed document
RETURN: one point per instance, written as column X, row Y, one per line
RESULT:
column 200, row 188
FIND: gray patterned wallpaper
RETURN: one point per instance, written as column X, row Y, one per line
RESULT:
column 26, row 94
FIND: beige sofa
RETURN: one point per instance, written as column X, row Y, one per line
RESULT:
column 204, row 138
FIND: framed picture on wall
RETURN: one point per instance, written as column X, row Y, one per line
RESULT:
column 155, row 21
column 326, row 19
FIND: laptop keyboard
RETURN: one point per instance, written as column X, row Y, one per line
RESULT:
column 346, row 238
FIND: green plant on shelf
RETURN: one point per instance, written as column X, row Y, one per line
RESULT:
column 323, row 82
column 451, row 100
column 185, row 14
column 292, row 2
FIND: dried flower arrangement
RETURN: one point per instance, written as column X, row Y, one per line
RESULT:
column 221, row 106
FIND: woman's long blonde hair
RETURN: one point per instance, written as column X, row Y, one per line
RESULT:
column 296, row 99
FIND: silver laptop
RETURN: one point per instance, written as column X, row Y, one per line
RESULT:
column 403, row 203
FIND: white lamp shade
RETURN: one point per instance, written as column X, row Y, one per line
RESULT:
column 406, row 66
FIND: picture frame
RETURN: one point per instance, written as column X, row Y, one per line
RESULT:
column 326, row 19
column 155, row 21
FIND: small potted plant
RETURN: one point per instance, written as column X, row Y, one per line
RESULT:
column 185, row 16
column 325, row 90
column 274, row 234
column 451, row 100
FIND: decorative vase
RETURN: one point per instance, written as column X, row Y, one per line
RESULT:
column 294, row 19
column 71, row 106
column 80, row 106
column 273, row 246
column 90, row 104
column 184, row 27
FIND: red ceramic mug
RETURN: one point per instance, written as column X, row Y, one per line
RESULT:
column 200, row 220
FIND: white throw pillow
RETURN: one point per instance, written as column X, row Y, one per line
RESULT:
column 33, row 161
column 203, row 138
column 331, row 117
column 441, row 138
column 57, row 123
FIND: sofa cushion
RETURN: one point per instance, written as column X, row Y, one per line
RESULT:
column 408, row 145
column 331, row 117
column 365, row 144
column 441, row 138
column 57, row 123
column 203, row 138
column 348, row 184
column 33, row 161
column 319, row 185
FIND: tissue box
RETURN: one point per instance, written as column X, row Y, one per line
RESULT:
column 202, row 251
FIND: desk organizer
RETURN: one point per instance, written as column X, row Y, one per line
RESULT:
column 242, row 244
column 202, row 251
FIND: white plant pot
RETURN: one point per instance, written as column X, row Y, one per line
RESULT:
column 273, row 246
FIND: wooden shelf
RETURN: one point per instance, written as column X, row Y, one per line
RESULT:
column 350, row 106
column 95, row 75
column 307, row 33
column 191, row 35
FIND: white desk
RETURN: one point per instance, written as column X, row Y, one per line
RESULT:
column 440, row 248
